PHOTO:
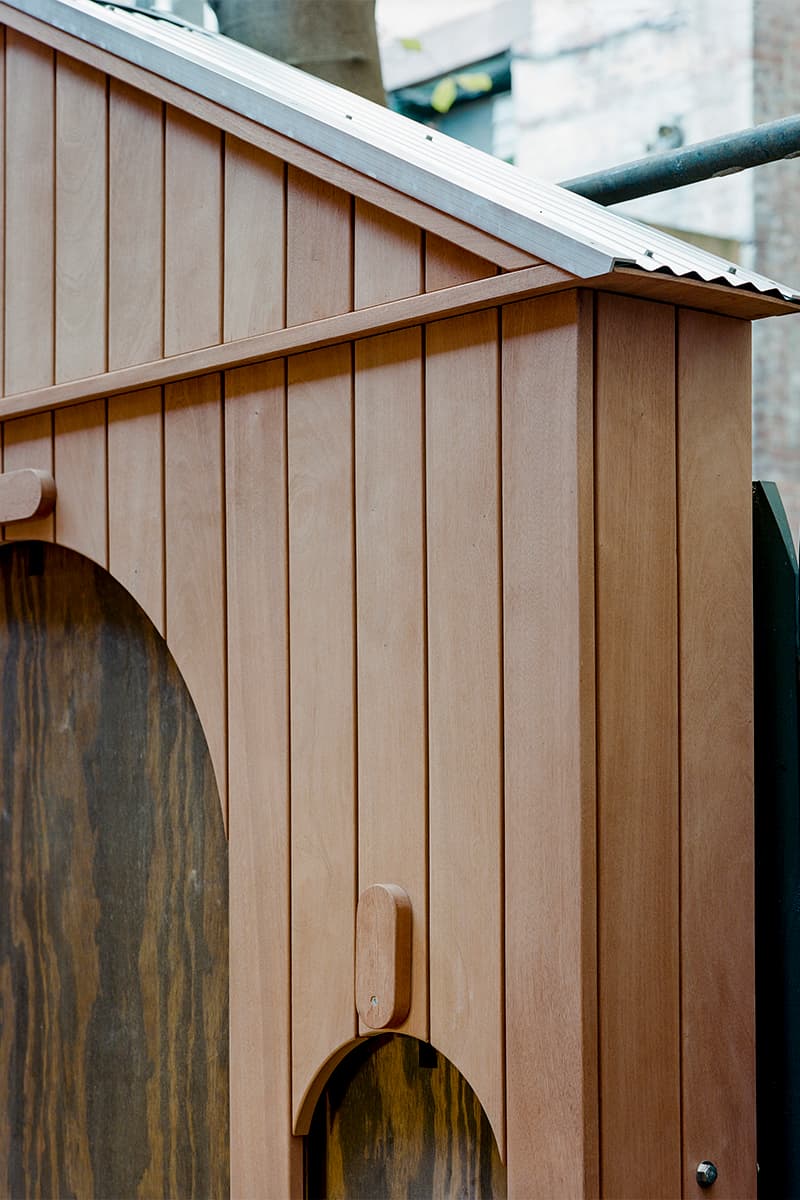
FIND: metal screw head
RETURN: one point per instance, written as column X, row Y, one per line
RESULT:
column 706, row 1173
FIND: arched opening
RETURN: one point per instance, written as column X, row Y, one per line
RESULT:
column 113, row 898
column 397, row 1119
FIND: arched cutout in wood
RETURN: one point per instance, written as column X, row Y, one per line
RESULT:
column 397, row 1118
column 113, row 898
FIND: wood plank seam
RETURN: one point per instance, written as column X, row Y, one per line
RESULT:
column 502, row 1139
column 328, row 331
column 425, row 658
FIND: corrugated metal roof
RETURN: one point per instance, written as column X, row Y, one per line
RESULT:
column 571, row 232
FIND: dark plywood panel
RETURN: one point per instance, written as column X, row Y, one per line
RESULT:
column 113, row 886
column 397, row 1119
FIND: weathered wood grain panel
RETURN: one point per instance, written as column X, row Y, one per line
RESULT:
column 255, row 284
column 135, row 226
column 265, row 1159
column 447, row 264
column 390, row 552
column 319, row 248
column 29, row 213
column 80, row 471
column 637, row 742
column 550, row 877
column 388, row 257
column 81, row 220
column 464, row 688
column 193, row 234
column 397, row 1119
column 28, row 442
column 716, row 688
column 136, row 498
column 113, row 881
column 322, row 713
column 195, row 553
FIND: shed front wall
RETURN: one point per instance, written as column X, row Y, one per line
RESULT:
column 466, row 608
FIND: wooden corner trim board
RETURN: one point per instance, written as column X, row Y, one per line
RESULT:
column 313, row 335
column 503, row 254
column 26, row 494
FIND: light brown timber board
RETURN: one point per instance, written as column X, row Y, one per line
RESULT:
column 716, row 689
column 136, row 226
column 322, row 715
column 29, row 213
column 195, row 563
column 254, row 270
column 390, row 553
column 135, row 498
column 396, row 314
column 192, row 235
column 465, row 703
column 550, row 876
column 637, row 745
column 388, row 256
column 28, row 442
column 447, row 265
column 80, row 473
column 265, row 1158
column 319, row 249
column 80, row 220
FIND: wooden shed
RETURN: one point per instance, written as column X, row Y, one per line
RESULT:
column 434, row 483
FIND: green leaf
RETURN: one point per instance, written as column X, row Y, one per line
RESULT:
column 476, row 81
column 444, row 94
column 411, row 43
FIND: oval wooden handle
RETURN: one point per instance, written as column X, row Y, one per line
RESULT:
column 383, row 956
column 26, row 494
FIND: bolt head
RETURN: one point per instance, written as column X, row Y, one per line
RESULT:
column 706, row 1173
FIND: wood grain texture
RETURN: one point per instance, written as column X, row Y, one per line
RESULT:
column 388, row 256
column 135, row 498
column 29, row 214
column 318, row 249
column 80, row 470
column 265, row 1159
column 28, row 442
column 716, row 689
column 255, row 283
column 81, row 220
column 383, row 956
column 322, row 713
column 26, row 494
column 550, row 877
column 390, row 542
column 193, row 234
column 3, row 200
column 135, row 226
column 637, row 741
column 464, row 689
column 195, row 550
column 113, row 871
column 447, row 264
column 397, row 1119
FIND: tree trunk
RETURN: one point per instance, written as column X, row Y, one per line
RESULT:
column 333, row 39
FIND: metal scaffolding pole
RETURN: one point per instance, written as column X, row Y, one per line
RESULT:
column 724, row 155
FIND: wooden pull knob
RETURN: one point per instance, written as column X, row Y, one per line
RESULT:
column 26, row 494
column 383, row 956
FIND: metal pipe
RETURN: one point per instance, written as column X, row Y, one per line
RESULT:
column 724, row 155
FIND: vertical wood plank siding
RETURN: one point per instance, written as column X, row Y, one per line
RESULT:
column 637, row 738
column 254, row 266
column 30, row 213
column 548, row 601
column 136, row 227
column 80, row 467
column 28, row 442
column 81, row 236
column 464, row 689
column 716, row 663
column 265, row 1159
column 322, row 711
